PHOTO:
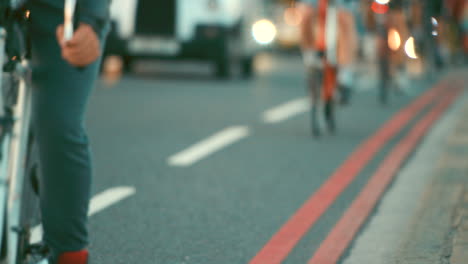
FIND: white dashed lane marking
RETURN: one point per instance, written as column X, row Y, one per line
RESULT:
column 287, row 110
column 209, row 146
column 98, row 203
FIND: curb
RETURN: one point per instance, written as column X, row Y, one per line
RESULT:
column 457, row 159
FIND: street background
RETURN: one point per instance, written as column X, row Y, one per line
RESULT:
column 222, row 209
column 195, row 169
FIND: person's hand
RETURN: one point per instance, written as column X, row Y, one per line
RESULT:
column 83, row 49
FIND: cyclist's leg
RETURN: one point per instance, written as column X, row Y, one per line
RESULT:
column 329, row 87
column 315, row 81
column 60, row 95
column 314, row 69
column 383, row 67
column 345, row 83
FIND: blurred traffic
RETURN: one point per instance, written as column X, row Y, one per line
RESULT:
column 229, row 34
column 248, row 128
column 341, row 43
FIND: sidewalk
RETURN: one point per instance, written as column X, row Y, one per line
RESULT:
column 440, row 230
column 453, row 175
column 423, row 218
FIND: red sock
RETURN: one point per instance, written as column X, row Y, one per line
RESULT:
column 75, row 257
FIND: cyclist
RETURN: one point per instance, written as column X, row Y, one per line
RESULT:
column 64, row 74
column 348, row 47
column 391, row 62
column 321, row 72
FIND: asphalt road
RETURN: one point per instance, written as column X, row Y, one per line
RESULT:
column 229, row 199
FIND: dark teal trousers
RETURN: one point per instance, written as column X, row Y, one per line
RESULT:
column 60, row 97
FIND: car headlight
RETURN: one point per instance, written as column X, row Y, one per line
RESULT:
column 394, row 39
column 435, row 24
column 410, row 48
column 264, row 31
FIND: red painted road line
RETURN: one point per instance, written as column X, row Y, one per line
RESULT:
column 279, row 246
column 342, row 234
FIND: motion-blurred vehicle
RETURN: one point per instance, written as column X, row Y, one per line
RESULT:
column 226, row 33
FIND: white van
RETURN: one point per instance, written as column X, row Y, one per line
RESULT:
column 224, row 32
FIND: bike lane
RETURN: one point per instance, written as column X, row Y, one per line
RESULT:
column 225, row 208
column 377, row 154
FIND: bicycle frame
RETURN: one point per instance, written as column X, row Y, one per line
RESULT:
column 17, row 165
column 14, row 150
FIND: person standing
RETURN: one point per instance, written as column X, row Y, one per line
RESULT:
column 64, row 73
